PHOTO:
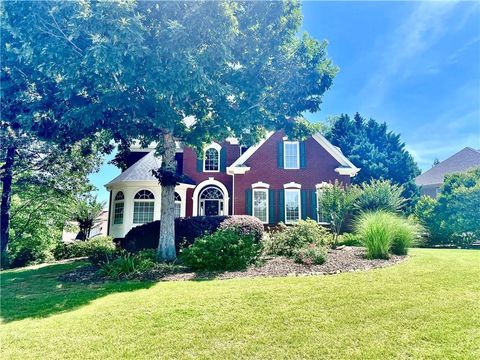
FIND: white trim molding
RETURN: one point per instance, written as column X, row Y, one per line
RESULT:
column 246, row 155
column 347, row 171
column 323, row 185
column 292, row 185
column 260, row 184
column 216, row 147
column 201, row 186
column 240, row 170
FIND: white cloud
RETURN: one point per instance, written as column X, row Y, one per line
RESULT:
column 421, row 30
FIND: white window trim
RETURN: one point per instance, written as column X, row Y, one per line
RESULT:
column 115, row 202
column 299, row 205
column 319, row 195
column 253, row 204
column 179, row 202
column 285, row 154
column 217, row 147
column 293, row 185
column 260, row 184
column 142, row 201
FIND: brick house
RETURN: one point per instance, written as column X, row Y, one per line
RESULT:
column 275, row 180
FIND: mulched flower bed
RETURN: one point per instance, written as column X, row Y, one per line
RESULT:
column 343, row 259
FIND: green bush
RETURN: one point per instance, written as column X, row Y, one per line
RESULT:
column 451, row 219
column 349, row 239
column 222, row 250
column 288, row 239
column 69, row 250
column 383, row 232
column 100, row 249
column 245, row 225
column 380, row 195
column 405, row 235
column 127, row 264
column 311, row 254
column 375, row 232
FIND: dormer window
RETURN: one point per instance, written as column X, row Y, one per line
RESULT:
column 211, row 161
column 291, row 155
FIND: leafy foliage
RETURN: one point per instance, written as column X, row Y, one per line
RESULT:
column 452, row 218
column 312, row 254
column 126, row 264
column 377, row 151
column 188, row 229
column 336, row 202
column 379, row 195
column 289, row 239
column 138, row 69
column 223, row 250
column 86, row 213
column 245, row 225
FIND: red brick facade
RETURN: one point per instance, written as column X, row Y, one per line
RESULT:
column 319, row 167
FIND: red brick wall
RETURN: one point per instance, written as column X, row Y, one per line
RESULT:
column 320, row 166
column 190, row 169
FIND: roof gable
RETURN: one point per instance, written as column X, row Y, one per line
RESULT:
column 346, row 166
column 463, row 160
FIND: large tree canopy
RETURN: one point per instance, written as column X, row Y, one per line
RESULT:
column 138, row 69
column 379, row 153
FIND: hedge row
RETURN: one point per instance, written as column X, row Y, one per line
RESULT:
column 188, row 229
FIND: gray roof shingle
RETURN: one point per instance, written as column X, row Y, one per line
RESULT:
column 140, row 171
column 461, row 161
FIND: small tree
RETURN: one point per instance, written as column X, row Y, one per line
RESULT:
column 336, row 204
column 452, row 218
column 87, row 213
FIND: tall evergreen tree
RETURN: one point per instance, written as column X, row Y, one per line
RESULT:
column 379, row 153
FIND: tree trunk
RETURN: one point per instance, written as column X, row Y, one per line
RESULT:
column 6, row 197
column 166, row 244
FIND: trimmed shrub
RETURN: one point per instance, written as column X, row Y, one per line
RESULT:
column 69, row 250
column 223, row 250
column 380, row 195
column 245, row 225
column 127, row 264
column 187, row 230
column 312, row 254
column 289, row 239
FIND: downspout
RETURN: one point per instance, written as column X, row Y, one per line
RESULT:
column 110, row 212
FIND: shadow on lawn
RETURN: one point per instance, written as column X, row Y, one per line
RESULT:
column 37, row 292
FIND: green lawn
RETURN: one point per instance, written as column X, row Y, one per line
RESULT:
column 426, row 307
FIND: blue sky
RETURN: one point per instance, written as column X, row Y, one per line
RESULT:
column 414, row 65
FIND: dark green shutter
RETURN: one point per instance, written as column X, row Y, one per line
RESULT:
column 313, row 205
column 280, row 155
column 248, row 201
column 271, row 207
column 281, row 205
column 199, row 165
column 303, row 159
column 223, row 159
column 303, row 194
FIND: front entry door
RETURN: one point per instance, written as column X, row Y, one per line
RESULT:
column 211, row 207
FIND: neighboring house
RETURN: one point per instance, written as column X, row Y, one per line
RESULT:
column 431, row 180
column 70, row 232
column 275, row 180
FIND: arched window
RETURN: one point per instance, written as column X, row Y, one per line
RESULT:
column 178, row 205
column 211, row 161
column 118, row 208
column 211, row 201
column 143, row 207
